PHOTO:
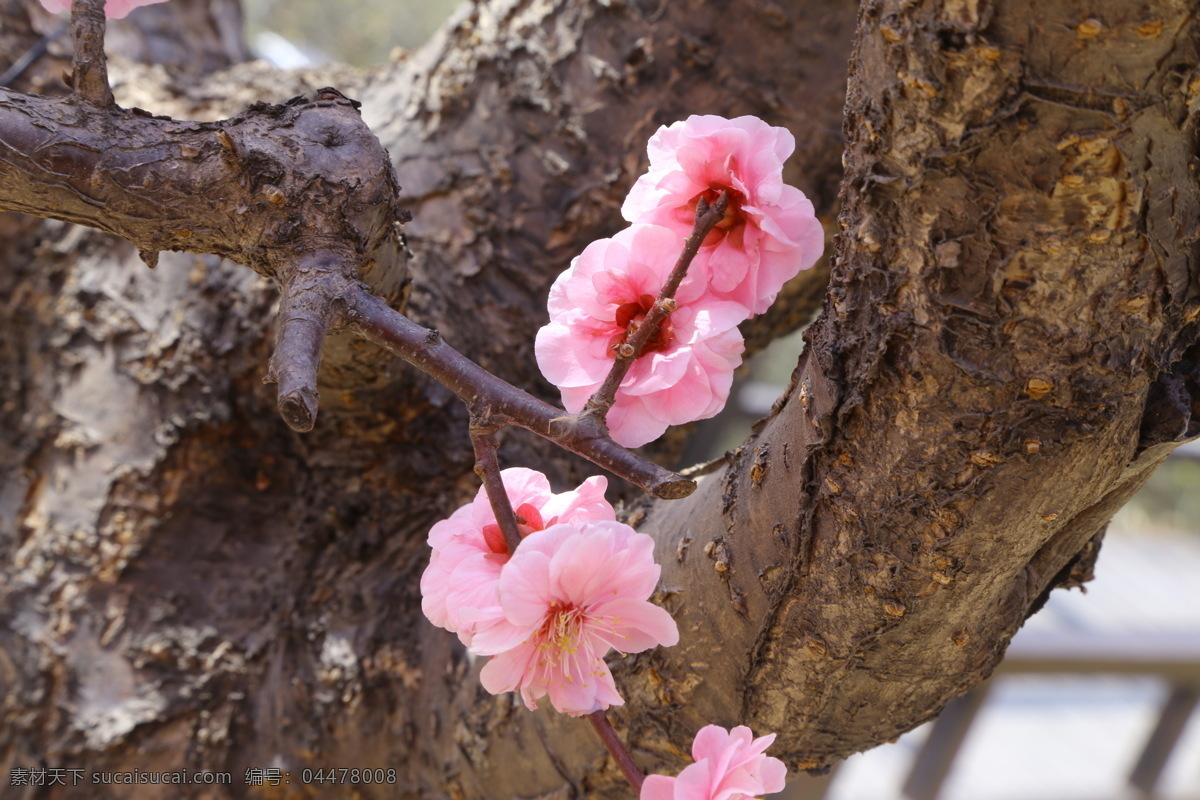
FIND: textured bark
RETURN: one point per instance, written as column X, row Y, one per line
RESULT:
column 1021, row 213
column 1007, row 350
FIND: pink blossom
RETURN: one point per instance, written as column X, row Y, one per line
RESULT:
column 569, row 596
column 769, row 232
column 113, row 9
column 730, row 765
column 458, row 588
column 684, row 372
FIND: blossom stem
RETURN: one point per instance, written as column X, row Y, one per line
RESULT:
column 707, row 216
column 487, row 467
column 619, row 752
column 89, row 70
column 499, row 402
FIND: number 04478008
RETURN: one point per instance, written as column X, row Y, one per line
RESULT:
column 348, row 775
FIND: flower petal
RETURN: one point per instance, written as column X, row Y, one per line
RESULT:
column 505, row 671
column 658, row 787
column 632, row 626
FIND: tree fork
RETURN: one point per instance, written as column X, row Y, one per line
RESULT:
column 380, row 492
column 265, row 189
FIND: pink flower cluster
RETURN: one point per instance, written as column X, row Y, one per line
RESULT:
column 770, row 231
column 685, row 370
column 458, row 588
column 768, row 234
column 577, row 587
column 730, row 765
column 114, row 9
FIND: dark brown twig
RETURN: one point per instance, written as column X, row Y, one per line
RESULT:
column 501, row 403
column 619, row 752
column 487, row 467
column 89, row 75
column 306, row 314
column 628, row 350
column 297, row 356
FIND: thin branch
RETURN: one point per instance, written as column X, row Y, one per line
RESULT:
column 619, row 752
column 635, row 340
column 90, row 67
column 487, row 467
column 502, row 403
column 706, row 467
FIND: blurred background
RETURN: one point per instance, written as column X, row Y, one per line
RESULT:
column 292, row 33
column 1097, row 698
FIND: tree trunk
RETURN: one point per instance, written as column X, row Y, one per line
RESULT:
column 1007, row 351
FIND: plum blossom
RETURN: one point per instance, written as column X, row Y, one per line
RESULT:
column 458, row 588
column 730, row 765
column 570, row 594
column 769, row 232
column 682, row 374
column 113, row 9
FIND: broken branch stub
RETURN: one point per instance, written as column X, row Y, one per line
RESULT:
column 301, row 192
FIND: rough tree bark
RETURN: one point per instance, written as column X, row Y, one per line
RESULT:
column 1008, row 349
